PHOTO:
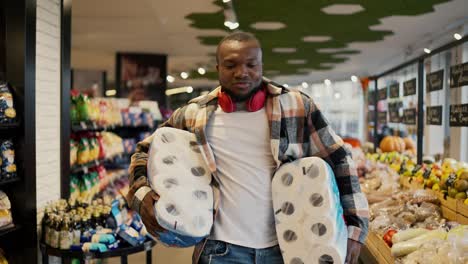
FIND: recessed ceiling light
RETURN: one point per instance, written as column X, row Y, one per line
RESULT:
column 342, row 9
column 184, row 75
column 111, row 92
column 170, row 79
column 268, row 25
column 201, row 71
column 327, row 82
column 297, row 61
column 427, row 50
column 316, row 38
column 231, row 25
column 226, row 1
column 305, row 85
column 189, row 89
column 284, row 50
column 285, row 85
column 354, row 78
column 457, row 36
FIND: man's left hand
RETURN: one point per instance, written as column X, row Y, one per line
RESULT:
column 353, row 250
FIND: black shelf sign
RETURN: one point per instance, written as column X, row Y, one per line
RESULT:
column 409, row 87
column 395, row 90
column 459, row 75
column 435, row 81
column 382, row 117
column 409, row 116
column 434, row 115
column 459, row 115
column 383, row 93
column 371, row 116
column 394, row 116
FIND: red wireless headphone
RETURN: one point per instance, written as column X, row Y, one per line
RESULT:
column 255, row 102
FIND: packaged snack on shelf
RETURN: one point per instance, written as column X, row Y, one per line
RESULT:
column 7, row 159
column 73, row 152
column 7, row 110
column 83, row 155
column 82, row 107
column 143, row 135
column 129, row 145
column 6, row 219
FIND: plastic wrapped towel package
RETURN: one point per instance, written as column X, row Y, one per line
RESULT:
column 180, row 175
column 308, row 213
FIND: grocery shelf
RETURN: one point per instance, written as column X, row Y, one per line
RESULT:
column 4, row 182
column 94, row 127
column 9, row 126
column 113, row 162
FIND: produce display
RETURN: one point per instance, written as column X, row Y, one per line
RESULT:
column 6, row 220
column 104, row 224
column 7, row 160
column 7, row 109
column 398, row 144
column 411, row 222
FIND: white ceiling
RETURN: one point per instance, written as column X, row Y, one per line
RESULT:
column 102, row 28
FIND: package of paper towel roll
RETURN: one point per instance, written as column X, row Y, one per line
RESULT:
column 178, row 173
column 308, row 213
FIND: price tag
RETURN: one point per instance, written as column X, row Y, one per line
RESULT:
column 94, row 125
column 147, row 246
column 395, row 90
column 459, row 75
column 434, row 115
column 459, row 115
column 409, row 116
column 435, row 81
column 83, row 125
column 394, row 116
column 382, row 117
column 383, row 93
column 409, row 87
column 85, row 169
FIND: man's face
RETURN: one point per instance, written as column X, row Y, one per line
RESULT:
column 239, row 68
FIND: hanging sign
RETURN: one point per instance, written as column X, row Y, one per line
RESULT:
column 435, row 81
column 394, row 116
column 409, row 87
column 409, row 116
column 434, row 115
column 459, row 75
column 459, row 115
column 383, row 93
column 395, row 90
column 382, row 117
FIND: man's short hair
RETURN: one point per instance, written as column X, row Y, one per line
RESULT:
column 240, row 36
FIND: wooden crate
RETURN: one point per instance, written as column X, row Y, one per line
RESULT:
column 448, row 213
column 383, row 250
column 448, row 202
column 462, row 208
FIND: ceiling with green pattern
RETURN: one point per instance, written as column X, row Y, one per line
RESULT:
column 303, row 18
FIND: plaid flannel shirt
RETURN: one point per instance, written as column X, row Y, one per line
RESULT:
column 298, row 129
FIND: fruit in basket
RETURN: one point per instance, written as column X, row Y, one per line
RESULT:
column 452, row 192
column 463, row 175
column 460, row 195
column 391, row 143
column 449, row 164
column 387, row 237
column 461, row 185
column 436, row 187
column 466, row 201
column 409, row 144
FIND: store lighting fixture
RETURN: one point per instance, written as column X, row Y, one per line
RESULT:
column 285, row 85
column 184, row 75
column 354, row 78
column 327, row 82
column 304, row 85
column 231, row 25
column 230, row 18
column 457, row 36
column 427, row 50
column 185, row 89
column 201, row 71
column 170, row 79
column 111, row 92
column 337, row 95
column 226, row 1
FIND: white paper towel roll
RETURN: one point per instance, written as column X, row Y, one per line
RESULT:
column 327, row 254
column 179, row 174
column 308, row 209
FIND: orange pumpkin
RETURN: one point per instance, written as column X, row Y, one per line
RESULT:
column 391, row 143
column 409, row 143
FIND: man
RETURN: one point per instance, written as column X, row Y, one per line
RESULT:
column 246, row 139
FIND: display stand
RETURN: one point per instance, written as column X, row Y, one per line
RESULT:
column 123, row 253
column 17, row 64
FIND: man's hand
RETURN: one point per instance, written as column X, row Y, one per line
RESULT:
column 353, row 250
column 147, row 214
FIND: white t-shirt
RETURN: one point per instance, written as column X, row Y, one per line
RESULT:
column 241, row 145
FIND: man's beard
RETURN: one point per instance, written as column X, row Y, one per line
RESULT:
column 241, row 98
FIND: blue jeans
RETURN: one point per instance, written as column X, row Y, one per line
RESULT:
column 218, row 252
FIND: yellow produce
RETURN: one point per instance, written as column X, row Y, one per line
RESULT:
column 466, row 201
column 461, row 185
column 452, row 192
column 460, row 195
column 436, row 187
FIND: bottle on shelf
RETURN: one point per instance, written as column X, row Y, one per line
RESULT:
column 66, row 234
